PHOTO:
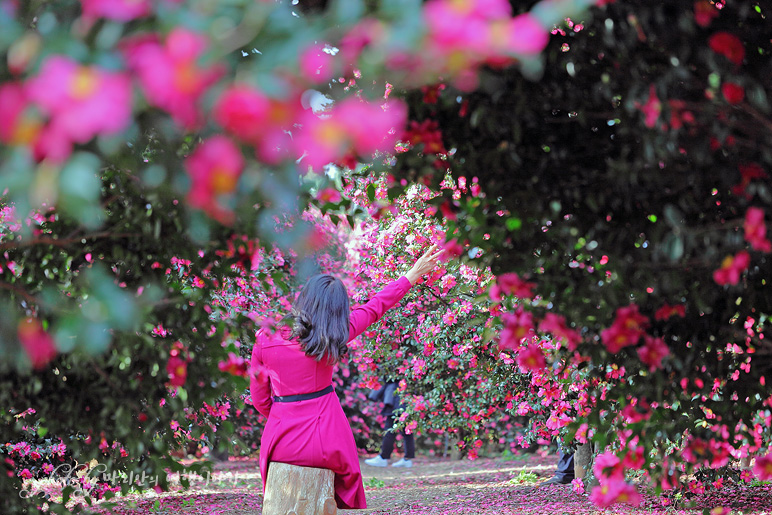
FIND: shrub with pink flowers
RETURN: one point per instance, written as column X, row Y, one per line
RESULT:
column 597, row 172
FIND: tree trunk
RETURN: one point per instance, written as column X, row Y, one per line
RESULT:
column 293, row 490
column 583, row 458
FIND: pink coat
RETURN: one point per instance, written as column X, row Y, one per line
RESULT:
column 314, row 432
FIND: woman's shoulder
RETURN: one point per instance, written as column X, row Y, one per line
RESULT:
column 269, row 337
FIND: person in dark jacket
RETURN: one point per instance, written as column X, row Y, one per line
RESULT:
column 391, row 403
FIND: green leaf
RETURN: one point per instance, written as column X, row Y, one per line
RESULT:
column 371, row 192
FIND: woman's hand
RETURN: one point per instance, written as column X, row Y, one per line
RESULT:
column 425, row 264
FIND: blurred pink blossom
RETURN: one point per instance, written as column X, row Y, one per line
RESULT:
column 118, row 10
column 170, row 73
column 316, row 64
column 20, row 126
column 214, row 168
column 653, row 351
column 36, row 342
column 80, row 101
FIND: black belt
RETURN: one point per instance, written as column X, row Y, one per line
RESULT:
column 303, row 396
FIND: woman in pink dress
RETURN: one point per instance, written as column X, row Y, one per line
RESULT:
column 292, row 380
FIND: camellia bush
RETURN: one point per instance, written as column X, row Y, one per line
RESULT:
column 630, row 186
column 621, row 152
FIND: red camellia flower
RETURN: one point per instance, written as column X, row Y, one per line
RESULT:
column 177, row 368
column 36, row 342
column 667, row 311
column 727, row 45
column 748, row 173
column 704, row 12
column 733, row 93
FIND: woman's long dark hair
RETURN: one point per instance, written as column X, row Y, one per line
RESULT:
column 320, row 318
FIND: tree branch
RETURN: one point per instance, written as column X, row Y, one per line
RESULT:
column 63, row 242
column 31, row 299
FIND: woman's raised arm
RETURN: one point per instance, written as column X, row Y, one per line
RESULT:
column 365, row 315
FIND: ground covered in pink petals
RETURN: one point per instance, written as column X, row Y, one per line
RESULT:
column 445, row 486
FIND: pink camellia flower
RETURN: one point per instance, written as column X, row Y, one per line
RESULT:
column 652, row 108
column 634, row 459
column 252, row 117
column 531, row 359
column 36, row 342
column 728, row 45
column 731, row 268
column 80, row 101
column 453, row 249
column 20, row 126
column 626, row 330
column 214, row 168
column 25, row 474
column 330, row 195
column 756, row 229
column 637, row 412
column 577, row 486
column 48, row 468
column 606, row 465
column 170, row 74
column 511, row 284
column 653, row 351
column 616, row 491
column 517, row 325
column 462, row 24
column 316, row 64
column 557, row 327
column 243, row 111
column 351, row 123
column 449, row 318
column 527, row 36
column 118, row 10
column 235, row 365
column 763, row 467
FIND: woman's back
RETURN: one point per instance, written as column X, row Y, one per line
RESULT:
column 289, row 369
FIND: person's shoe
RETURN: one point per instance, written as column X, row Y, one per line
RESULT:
column 377, row 461
column 404, row 462
column 554, row 480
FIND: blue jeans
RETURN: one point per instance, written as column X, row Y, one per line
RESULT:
column 565, row 466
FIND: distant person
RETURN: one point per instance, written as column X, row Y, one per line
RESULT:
column 565, row 472
column 291, row 383
column 391, row 403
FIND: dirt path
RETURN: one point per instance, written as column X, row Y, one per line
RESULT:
column 487, row 486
